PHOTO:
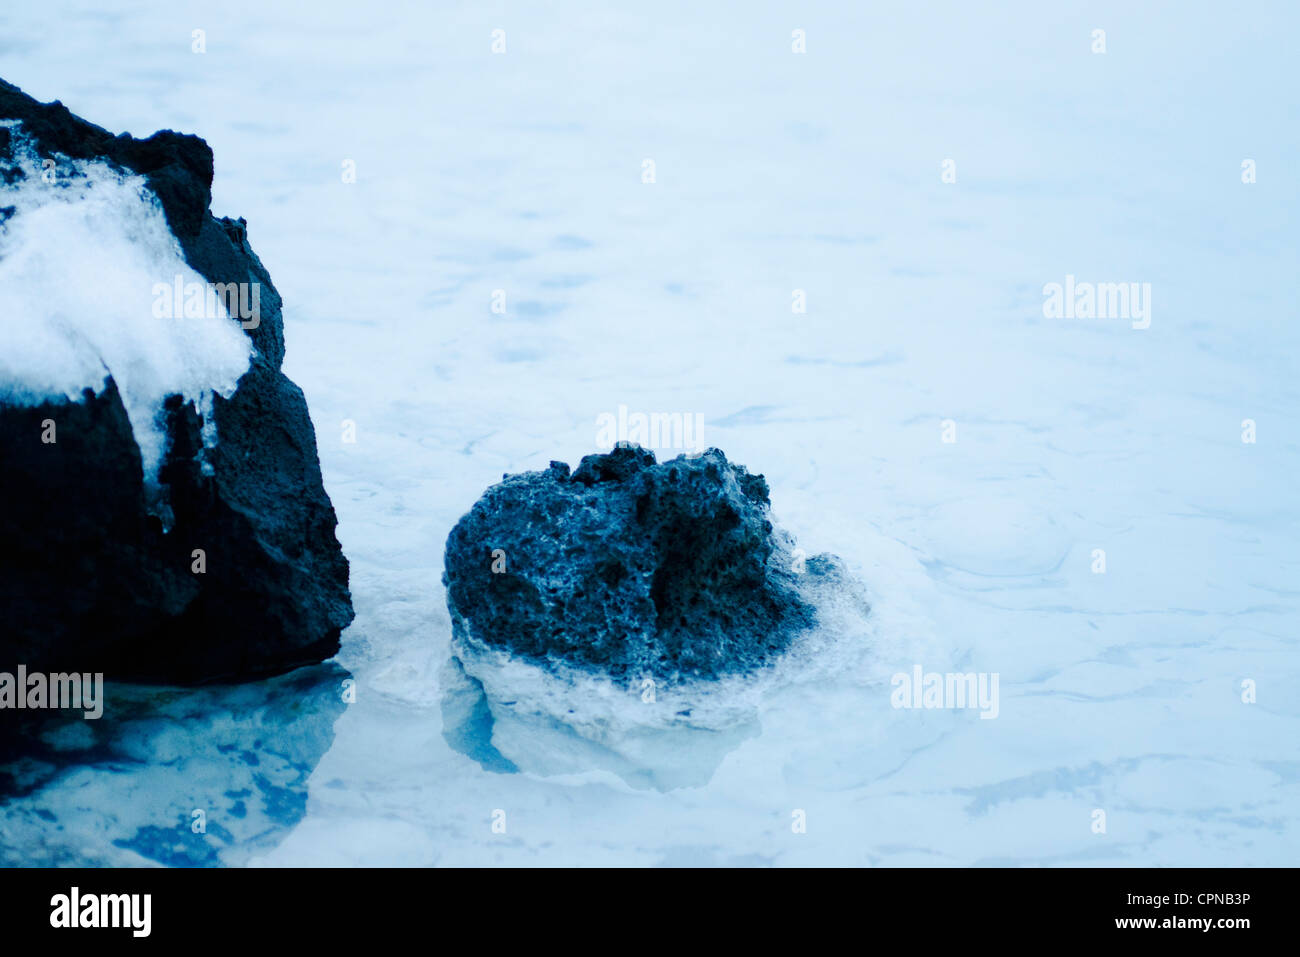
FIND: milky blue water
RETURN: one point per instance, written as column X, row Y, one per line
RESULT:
column 774, row 172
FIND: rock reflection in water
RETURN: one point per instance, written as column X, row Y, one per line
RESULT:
column 178, row 776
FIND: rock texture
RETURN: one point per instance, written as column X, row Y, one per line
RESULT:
column 89, row 579
column 638, row 569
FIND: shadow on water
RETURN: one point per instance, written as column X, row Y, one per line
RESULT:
column 467, row 719
column 188, row 777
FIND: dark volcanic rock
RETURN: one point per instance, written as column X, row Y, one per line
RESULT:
column 89, row 578
column 672, row 570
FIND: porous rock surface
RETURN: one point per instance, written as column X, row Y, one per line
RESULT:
column 671, row 570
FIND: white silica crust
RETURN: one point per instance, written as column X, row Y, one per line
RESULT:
column 565, row 721
column 83, row 260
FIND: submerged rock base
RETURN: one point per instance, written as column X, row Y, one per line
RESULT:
column 628, row 617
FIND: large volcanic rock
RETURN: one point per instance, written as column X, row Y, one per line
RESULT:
column 632, row 568
column 96, row 567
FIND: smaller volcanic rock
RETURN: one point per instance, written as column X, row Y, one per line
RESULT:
column 672, row 570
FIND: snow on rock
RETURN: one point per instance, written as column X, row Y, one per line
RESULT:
column 81, row 261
